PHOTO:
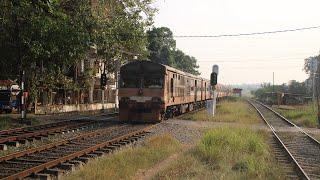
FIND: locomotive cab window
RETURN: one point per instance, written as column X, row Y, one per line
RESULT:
column 153, row 82
column 130, row 82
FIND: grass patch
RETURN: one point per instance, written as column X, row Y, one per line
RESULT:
column 126, row 163
column 226, row 153
column 7, row 122
column 305, row 115
column 228, row 111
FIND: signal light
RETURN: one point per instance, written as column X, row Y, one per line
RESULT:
column 214, row 79
column 103, row 80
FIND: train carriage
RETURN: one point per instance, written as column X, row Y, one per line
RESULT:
column 151, row 92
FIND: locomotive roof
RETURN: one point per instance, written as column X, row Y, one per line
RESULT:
column 165, row 67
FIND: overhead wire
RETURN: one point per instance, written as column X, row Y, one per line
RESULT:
column 247, row 34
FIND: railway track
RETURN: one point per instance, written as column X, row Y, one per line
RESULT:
column 16, row 136
column 54, row 158
column 301, row 150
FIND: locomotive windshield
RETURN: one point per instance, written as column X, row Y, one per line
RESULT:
column 142, row 82
column 130, row 82
column 153, row 82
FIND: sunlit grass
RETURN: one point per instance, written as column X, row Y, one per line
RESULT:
column 126, row 163
column 305, row 115
column 226, row 153
column 228, row 111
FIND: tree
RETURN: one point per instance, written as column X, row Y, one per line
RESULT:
column 295, row 87
column 162, row 48
column 48, row 38
column 186, row 63
column 161, row 45
column 120, row 32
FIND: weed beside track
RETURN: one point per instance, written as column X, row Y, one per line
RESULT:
column 125, row 164
column 226, row 153
column 227, row 111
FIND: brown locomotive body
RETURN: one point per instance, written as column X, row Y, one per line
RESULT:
column 151, row 92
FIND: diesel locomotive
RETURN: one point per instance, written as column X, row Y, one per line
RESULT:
column 151, row 92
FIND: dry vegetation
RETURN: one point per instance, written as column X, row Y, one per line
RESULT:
column 228, row 111
column 126, row 163
column 305, row 115
column 226, row 153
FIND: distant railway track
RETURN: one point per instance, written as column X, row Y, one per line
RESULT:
column 28, row 134
column 22, row 135
column 301, row 150
column 53, row 158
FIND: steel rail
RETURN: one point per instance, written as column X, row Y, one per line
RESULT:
column 30, row 128
column 302, row 172
column 282, row 117
column 73, row 155
column 54, row 124
column 51, row 145
column 54, row 129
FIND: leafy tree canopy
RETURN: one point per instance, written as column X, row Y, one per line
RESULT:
column 48, row 38
column 162, row 49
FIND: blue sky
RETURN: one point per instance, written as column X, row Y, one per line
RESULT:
column 250, row 59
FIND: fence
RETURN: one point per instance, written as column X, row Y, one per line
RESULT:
column 61, row 100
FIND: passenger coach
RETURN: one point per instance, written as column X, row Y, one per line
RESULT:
column 151, row 92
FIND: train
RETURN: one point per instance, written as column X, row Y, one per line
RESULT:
column 152, row 92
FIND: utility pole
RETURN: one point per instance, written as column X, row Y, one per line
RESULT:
column 317, row 87
column 273, row 93
column 273, row 82
column 16, row 4
column 23, row 107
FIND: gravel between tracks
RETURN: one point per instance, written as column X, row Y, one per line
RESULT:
column 182, row 131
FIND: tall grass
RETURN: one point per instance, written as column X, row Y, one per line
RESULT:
column 228, row 111
column 126, row 163
column 305, row 115
column 226, row 153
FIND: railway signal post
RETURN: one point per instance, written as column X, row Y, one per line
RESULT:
column 211, row 104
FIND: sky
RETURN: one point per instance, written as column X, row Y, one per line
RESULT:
column 246, row 59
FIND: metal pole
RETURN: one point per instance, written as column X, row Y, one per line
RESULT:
column 273, row 93
column 23, row 108
column 273, row 82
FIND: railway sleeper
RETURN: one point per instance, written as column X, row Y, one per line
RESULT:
column 66, row 166
column 3, row 147
column 23, row 141
column 42, row 176
column 76, row 163
column 82, row 159
column 90, row 155
column 99, row 153
column 53, row 172
column 13, row 143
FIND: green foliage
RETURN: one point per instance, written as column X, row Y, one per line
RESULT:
column 305, row 115
column 308, row 63
column 120, row 31
column 237, row 111
column 268, row 93
column 226, row 153
column 48, row 38
column 185, row 63
column 162, row 47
